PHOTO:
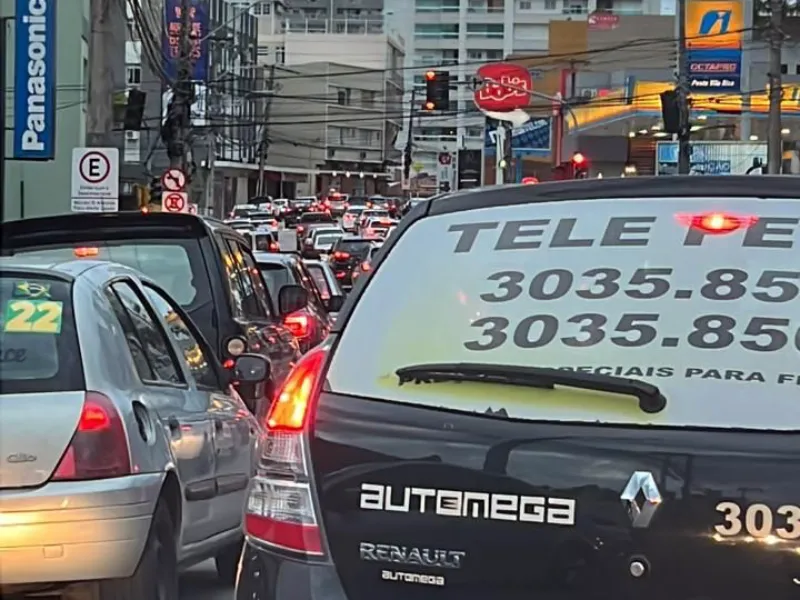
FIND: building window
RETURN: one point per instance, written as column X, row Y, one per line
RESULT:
column 784, row 69
column 550, row 4
column 436, row 30
column 280, row 55
column 343, row 96
column 485, row 30
column 525, row 5
column 133, row 76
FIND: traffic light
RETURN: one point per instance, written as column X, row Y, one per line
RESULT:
column 580, row 166
column 437, row 90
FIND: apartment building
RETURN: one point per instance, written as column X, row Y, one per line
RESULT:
column 460, row 35
column 337, row 105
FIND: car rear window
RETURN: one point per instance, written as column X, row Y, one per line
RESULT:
column 356, row 247
column 621, row 287
column 317, row 217
column 262, row 241
column 38, row 343
column 354, row 211
column 276, row 276
column 178, row 265
column 326, row 240
column 373, row 214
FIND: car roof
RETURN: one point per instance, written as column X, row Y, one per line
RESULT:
column 275, row 258
column 687, row 186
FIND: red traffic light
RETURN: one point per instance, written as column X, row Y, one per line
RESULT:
column 578, row 159
column 430, row 75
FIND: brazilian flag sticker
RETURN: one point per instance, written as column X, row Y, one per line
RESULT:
column 31, row 290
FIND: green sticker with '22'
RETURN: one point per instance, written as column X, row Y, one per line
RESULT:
column 32, row 316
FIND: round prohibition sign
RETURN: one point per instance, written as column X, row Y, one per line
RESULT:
column 94, row 167
column 174, row 203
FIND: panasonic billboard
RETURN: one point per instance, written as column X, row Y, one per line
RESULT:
column 35, row 80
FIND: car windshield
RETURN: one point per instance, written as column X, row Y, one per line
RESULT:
column 242, row 213
column 178, row 266
column 39, row 349
column 275, row 276
column 699, row 296
column 354, row 212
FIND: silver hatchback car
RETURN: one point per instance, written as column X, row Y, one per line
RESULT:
column 125, row 450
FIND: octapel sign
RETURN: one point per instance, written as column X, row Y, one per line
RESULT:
column 503, row 87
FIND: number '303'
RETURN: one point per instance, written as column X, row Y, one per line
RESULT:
column 759, row 520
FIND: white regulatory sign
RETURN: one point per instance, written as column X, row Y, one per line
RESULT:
column 95, row 179
column 173, row 180
column 175, row 202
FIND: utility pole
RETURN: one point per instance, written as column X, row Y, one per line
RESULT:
column 101, row 48
column 408, row 151
column 261, row 188
column 774, row 140
column 684, row 131
column 3, row 54
column 182, row 95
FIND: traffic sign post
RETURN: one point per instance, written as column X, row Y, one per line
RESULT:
column 95, row 180
column 175, row 202
column 173, row 180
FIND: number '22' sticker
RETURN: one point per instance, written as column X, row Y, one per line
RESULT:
column 33, row 316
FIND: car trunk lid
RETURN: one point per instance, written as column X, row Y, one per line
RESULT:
column 35, row 431
column 415, row 499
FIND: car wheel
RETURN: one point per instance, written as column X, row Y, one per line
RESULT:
column 156, row 575
column 227, row 562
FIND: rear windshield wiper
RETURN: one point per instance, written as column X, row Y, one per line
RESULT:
column 651, row 400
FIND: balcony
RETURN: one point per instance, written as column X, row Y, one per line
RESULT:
column 302, row 25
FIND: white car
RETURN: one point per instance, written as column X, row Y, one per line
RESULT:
column 351, row 217
column 376, row 228
column 279, row 206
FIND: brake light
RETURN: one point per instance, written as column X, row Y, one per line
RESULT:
column 86, row 252
column 717, row 223
column 341, row 255
column 99, row 446
column 365, row 266
column 299, row 229
column 281, row 509
column 274, row 247
column 299, row 324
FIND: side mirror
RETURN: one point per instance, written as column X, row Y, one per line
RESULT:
column 292, row 298
column 251, row 368
column 334, row 303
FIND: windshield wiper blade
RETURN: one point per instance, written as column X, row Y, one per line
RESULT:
column 651, row 400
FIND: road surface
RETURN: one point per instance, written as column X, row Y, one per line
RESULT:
column 200, row 582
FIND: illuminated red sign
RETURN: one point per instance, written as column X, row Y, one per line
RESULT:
column 503, row 87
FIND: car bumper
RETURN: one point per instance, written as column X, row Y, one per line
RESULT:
column 266, row 576
column 75, row 531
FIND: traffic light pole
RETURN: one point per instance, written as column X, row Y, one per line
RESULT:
column 407, row 152
column 500, row 153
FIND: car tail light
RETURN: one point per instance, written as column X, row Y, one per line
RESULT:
column 274, row 247
column 86, row 252
column 281, row 509
column 299, row 229
column 365, row 266
column 299, row 324
column 341, row 255
column 717, row 223
column 99, row 446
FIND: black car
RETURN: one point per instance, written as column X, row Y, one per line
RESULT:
column 206, row 266
column 584, row 390
column 312, row 219
column 347, row 255
column 311, row 323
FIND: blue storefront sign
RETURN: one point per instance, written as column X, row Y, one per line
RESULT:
column 35, row 80
column 198, row 35
column 715, row 70
column 531, row 139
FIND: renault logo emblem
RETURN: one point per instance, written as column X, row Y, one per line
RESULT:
column 641, row 498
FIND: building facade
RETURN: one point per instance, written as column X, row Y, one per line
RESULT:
column 337, row 106
column 461, row 35
column 40, row 188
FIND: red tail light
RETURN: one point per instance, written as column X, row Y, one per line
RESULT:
column 99, row 447
column 274, row 247
column 341, row 255
column 299, row 324
column 365, row 266
column 300, row 229
column 281, row 509
column 716, row 223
